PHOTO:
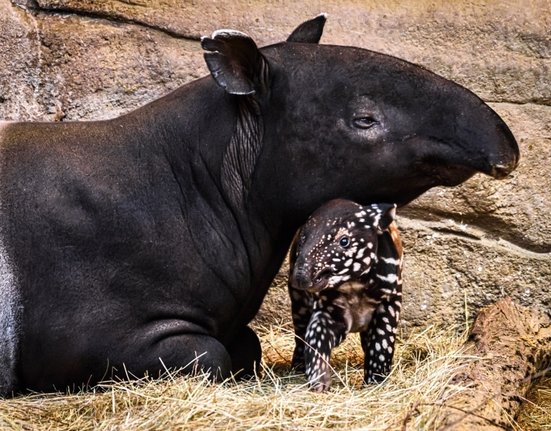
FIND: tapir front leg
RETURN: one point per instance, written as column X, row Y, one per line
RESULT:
column 325, row 332
column 245, row 353
column 196, row 353
column 302, row 304
column 189, row 353
column 378, row 341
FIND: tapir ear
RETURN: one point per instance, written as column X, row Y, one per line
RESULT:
column 386, row 215
column 235, row 62
column 309, row 31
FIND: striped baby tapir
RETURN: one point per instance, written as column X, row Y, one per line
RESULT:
column 345, row 276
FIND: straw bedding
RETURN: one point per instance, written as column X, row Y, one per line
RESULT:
column 411, row 398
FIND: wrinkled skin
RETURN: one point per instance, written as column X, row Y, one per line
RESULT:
column 156, row 234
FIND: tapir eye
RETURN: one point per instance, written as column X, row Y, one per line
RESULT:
column 364, row 122
column 344, row 242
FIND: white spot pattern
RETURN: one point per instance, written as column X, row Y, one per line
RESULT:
column 348, row 263
column 390, row 278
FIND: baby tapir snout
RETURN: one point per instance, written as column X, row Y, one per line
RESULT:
column 313, row 280
column 300, row 279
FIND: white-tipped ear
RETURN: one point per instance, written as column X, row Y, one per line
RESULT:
column 309, row 31
column 384, row 215
column 235, row 62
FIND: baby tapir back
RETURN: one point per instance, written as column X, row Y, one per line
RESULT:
column 345, row 276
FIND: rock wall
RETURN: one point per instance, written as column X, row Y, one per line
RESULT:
column 66, row 60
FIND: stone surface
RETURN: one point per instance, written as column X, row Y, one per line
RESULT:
column 467, row 246
column 452, row 269
column 80, row 67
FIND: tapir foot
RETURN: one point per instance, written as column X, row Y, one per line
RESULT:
column 189, row 354
column 195, row 354
column 245, row 353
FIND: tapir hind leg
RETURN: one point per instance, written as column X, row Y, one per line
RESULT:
column 378, row 341
column 188, row 353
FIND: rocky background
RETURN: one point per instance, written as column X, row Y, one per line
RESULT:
column 64, row 60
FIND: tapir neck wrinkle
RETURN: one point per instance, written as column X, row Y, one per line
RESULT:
column 242, row 152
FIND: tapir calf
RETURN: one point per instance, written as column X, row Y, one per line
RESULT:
column 149, row 241
column 346, row 268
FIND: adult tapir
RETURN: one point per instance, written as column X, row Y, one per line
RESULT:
column 149, row 241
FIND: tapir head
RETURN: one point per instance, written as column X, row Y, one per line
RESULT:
column 347, row 122
column 338, row 244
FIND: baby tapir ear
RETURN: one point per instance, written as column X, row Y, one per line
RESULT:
column 309, row 31
column 386, row 214
column 235, row 62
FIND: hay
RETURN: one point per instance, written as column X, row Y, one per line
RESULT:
column 535, row 415
column 411, row 398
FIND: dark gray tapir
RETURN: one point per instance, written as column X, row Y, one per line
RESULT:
column 149, row 241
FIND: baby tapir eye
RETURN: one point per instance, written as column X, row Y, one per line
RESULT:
column 364, row 122
column 344, row 241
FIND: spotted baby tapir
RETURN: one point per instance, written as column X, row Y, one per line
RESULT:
column 345, row 276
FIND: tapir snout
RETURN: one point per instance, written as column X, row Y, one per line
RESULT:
column 478, row 135
column 505, row 159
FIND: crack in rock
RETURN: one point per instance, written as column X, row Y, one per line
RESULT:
column 34, row 6
column 486, row 224
column 535, row 101
column 466, row 233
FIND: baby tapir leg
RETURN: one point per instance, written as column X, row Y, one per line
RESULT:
column 326, row 330
column 378, row 340
column 302, row 304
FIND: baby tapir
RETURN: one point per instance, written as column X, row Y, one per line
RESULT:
column 345, row 276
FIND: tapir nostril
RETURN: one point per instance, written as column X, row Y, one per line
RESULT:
column 323, row 275
column 321, row 279
column 500, row 171
column 504, row 165
column 505, row 159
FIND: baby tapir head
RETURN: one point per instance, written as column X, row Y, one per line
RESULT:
column 338, row 244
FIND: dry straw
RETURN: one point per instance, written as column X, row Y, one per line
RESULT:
column 410, row 399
